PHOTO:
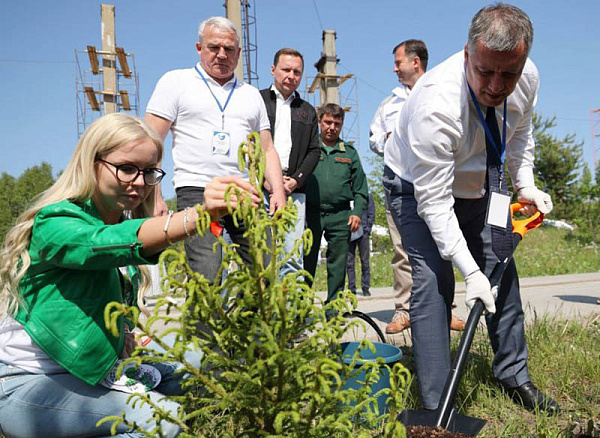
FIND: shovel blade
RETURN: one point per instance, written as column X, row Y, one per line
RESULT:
column 457, row 423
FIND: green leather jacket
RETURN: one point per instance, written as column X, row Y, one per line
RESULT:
column 73, row 275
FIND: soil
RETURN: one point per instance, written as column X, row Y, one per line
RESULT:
column 433, row 432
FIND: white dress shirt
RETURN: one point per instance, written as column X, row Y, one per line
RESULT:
column 282, row 135
column 385, row 118
column 439, row 146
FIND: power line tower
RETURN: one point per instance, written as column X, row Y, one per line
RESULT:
column 595, row 127
column 328, row 82
column 110, row 82
column 240, row 13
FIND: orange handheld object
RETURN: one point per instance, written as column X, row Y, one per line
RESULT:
column 216, row 228
column 523, row 226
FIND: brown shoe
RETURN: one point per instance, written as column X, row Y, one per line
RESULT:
column 456, row 323
column 400, row 322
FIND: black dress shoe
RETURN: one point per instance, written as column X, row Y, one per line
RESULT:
column 366, row 292
column 528, row 396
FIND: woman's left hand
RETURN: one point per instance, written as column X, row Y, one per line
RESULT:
column 214, row 195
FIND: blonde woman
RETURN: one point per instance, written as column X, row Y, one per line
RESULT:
column 59, row 268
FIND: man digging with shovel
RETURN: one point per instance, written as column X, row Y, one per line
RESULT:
column 462, row 121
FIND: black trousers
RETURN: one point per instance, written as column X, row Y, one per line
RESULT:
column 364, row 251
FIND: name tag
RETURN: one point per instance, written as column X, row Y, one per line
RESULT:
column 221, row 143
column 498, row 208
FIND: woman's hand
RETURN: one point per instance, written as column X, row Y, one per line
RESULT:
column 158, row 233
column 214, row 195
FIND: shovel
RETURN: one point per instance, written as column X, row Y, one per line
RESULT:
column 445, row 415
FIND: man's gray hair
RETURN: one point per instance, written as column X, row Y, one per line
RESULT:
column 221, row 23
column 501, row 28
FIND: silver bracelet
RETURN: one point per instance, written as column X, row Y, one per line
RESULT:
column 166, row 228
column 185, row 222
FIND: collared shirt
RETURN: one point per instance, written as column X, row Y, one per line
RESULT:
column 282, row 135
column 385, row 118
column 439, row 145
column 182, row 97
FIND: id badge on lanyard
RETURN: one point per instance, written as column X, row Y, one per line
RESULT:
column 221, row 143
column 499, row 198
column 498, row 208
column 221, row 139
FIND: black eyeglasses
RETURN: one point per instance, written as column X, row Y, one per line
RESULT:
column 127, row 173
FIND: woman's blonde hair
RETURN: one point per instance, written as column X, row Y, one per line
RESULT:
column 76, row 184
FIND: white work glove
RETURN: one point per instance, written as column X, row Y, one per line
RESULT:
column 535, row 197
column 478, row 287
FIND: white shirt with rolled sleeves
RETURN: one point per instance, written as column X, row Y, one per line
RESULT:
column 385, row 118
column 182, row 97
column 438, row 145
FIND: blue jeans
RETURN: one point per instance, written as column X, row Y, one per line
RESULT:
column 61, row 405
column 295, row 263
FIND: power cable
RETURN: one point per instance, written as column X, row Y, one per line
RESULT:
column 27, row 61
column 383, row 93
column 318, row 16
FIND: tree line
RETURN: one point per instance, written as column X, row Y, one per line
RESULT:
column 17, row 194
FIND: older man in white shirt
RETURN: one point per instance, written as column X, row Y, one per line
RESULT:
column 439, row 176
column 210, row 112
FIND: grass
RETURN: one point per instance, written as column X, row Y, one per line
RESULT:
column 564, row 361
column 547, row 251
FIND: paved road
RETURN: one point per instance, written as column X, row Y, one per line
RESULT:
column 565, row 296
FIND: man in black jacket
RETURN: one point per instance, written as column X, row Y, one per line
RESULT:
column 295, row 132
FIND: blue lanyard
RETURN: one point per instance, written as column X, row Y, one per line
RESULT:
column 221, row 107
column 499, row 149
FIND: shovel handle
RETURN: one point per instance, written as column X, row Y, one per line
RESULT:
column 524, row 226
column 520, row 228
column 460, row 360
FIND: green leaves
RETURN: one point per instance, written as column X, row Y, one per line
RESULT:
column 16, row 194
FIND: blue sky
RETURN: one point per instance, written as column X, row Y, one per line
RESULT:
column 38, row 117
